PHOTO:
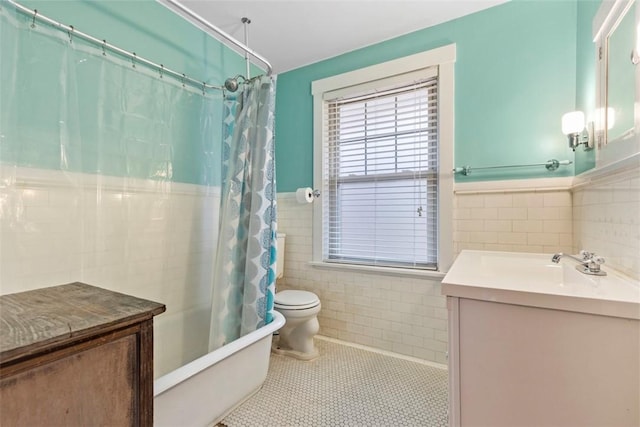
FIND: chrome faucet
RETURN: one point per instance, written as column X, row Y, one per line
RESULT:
column 589, row 263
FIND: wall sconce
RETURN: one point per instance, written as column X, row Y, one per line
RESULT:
column 574, row 127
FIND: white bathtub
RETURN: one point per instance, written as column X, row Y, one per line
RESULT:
column 203, row 392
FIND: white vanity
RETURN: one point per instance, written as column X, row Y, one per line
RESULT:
column 534, row 343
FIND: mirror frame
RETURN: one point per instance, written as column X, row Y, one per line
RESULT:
column 605, row 22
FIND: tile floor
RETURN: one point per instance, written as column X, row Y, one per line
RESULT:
column 346, row 386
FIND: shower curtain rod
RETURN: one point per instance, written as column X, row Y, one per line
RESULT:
column 72, row 32
column 135, row 59
column 202, row 23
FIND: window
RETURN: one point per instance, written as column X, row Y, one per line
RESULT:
column 381, row 178
column 380, row 164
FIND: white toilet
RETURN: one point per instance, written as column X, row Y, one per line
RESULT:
column 300, row 309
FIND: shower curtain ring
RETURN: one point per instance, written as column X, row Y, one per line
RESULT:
column 204, row 86
column 183, row 77
column 35, row 13
column 104, row 43
column 70, row 32
column 161, row 70
column 133, row 60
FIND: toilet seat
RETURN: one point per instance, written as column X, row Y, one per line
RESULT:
column 296, row 300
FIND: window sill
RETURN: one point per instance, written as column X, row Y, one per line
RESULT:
column 389, row 271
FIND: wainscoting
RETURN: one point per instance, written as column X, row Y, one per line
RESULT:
column 151, row 239
column 407, row 315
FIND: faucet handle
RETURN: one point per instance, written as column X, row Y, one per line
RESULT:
column 586, row 255
column 593, row 265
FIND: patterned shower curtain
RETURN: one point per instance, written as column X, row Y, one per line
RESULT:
column 244, row 277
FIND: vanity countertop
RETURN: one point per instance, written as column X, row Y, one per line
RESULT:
column 533, row 280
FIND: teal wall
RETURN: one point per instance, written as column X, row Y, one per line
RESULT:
column 586, row 75
column 139, row 139
column 515, row 76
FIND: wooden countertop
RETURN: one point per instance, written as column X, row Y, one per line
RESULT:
column 62, row 314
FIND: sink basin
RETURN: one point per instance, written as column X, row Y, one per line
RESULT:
column 532, row 279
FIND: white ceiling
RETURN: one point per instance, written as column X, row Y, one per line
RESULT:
column 294, row 33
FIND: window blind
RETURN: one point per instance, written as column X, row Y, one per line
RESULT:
column 380, row 177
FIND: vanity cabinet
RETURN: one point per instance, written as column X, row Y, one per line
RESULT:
column 530, row 366
column 534, row 343
column 76, row 355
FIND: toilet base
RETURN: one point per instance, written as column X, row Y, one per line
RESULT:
column 293, row 353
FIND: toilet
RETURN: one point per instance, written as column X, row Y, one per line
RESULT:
column 300, row 309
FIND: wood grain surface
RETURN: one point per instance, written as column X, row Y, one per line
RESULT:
column 76, row 355
column 90, row 388
column 32, row 320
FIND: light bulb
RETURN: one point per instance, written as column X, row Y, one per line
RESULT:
column 573, row 122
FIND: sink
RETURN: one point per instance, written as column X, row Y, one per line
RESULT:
column 524, row 278
column 536, row 343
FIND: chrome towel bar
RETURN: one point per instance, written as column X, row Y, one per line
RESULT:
column 551, row 165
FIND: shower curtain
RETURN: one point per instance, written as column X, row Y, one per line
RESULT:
column 109, row 175
column 244, row 277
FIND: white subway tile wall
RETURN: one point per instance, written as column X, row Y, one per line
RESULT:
column 148, row 239
column 535, row 221
column 399, row 314
column 606, row 218
column 408, row 315
column 157, row 241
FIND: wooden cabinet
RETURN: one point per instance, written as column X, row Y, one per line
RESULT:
column 76, row 355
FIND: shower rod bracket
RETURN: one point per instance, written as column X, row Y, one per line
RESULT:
column 245, row 23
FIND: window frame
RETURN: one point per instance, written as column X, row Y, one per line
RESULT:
column 394, row 71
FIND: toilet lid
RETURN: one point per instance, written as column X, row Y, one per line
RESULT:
column 296, row 299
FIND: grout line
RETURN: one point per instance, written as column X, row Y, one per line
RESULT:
column 383, row 352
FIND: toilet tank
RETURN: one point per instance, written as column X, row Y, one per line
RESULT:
column 280, row 255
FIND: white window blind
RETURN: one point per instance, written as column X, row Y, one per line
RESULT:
column 380, row 176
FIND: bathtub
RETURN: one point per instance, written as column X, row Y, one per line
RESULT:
column 203, row 392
